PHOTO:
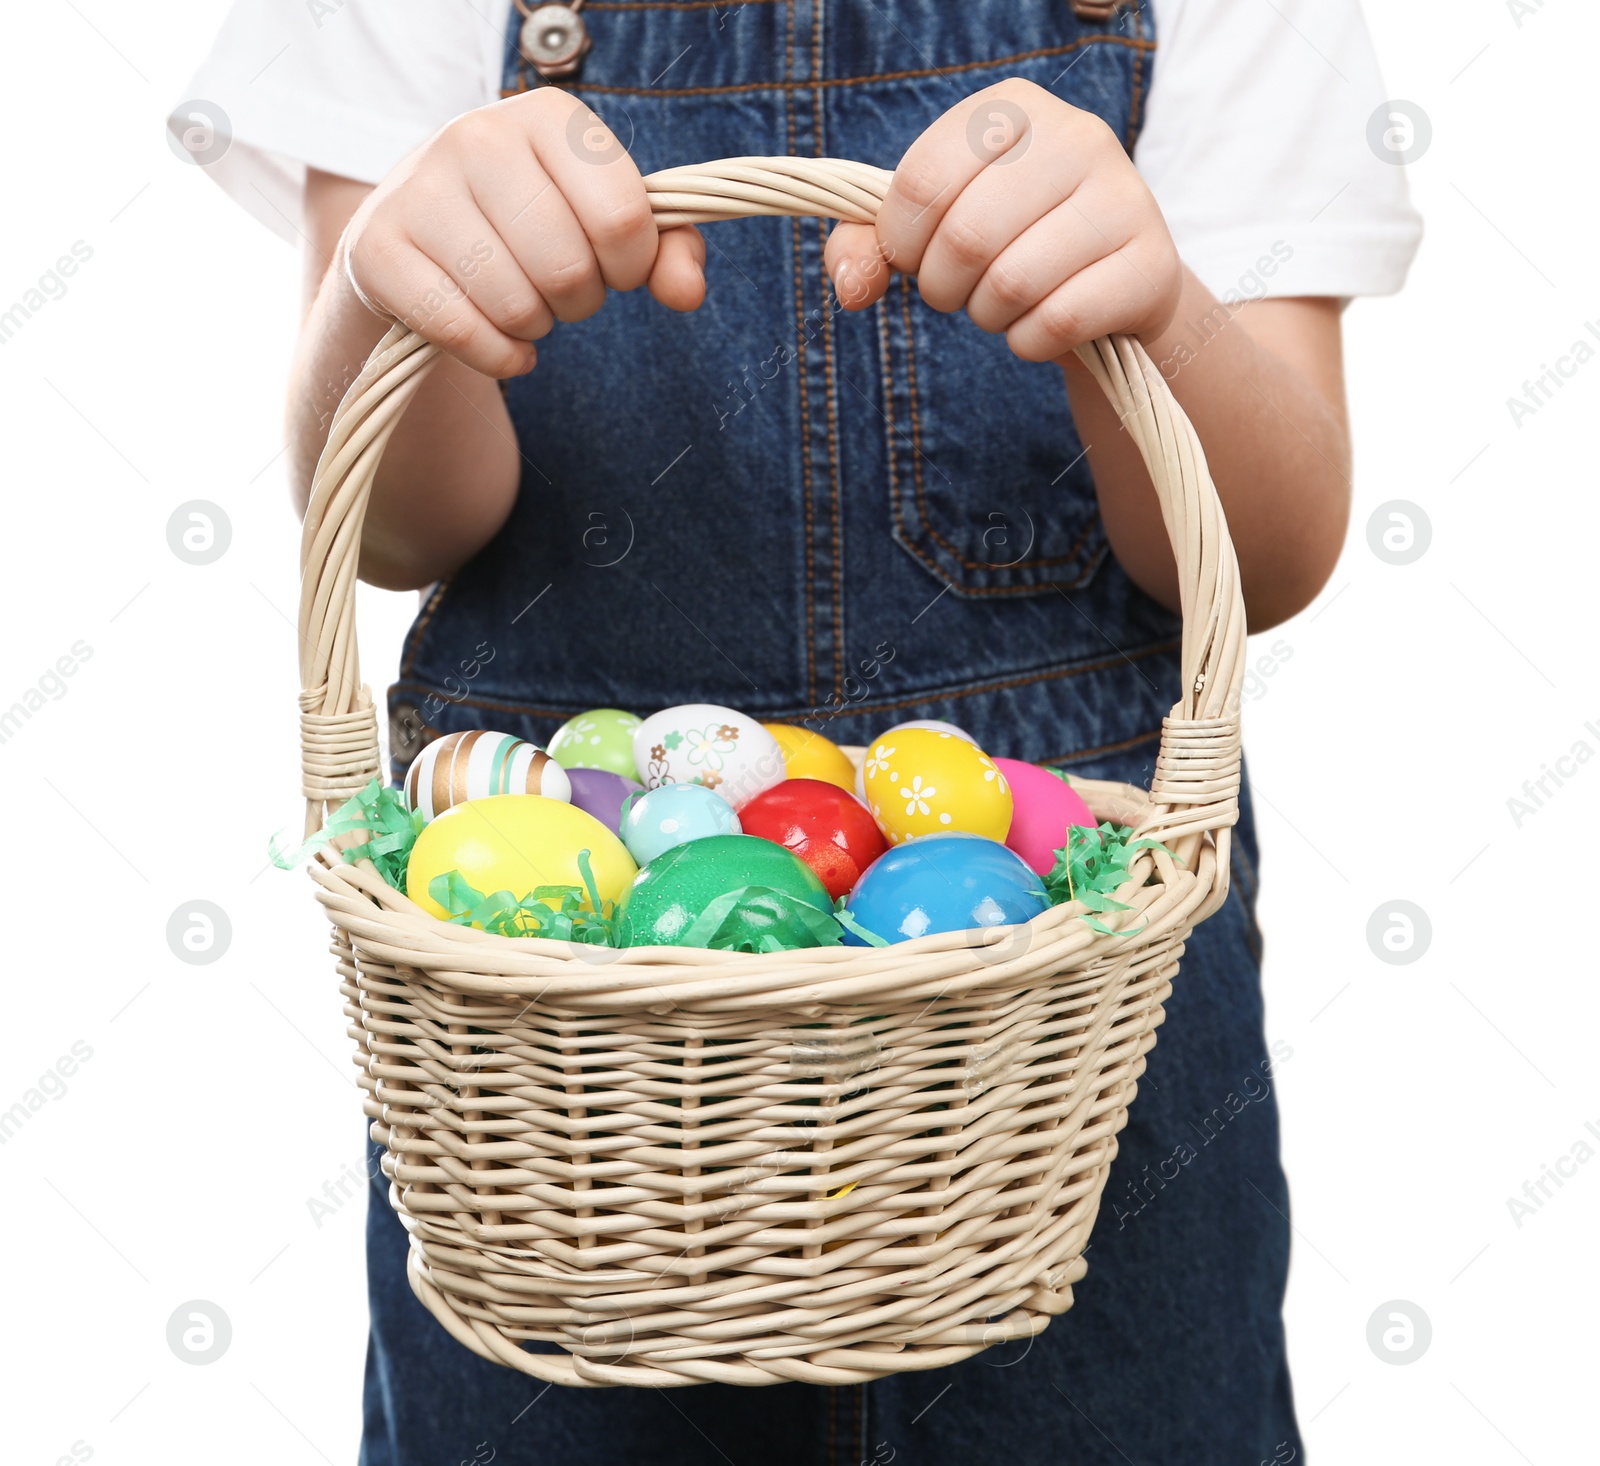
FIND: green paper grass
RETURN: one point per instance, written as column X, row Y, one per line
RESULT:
column 1091, row 865
column 843, row 915
column 753, row 919
column 391, row 830
column 578, row 915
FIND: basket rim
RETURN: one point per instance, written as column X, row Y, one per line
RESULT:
column 383, row 925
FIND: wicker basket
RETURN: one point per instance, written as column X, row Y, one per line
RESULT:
column 682, row 1166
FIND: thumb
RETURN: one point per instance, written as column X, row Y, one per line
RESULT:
column 678, row 277
column 857, row 266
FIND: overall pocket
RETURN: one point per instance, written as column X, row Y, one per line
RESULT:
column 989, row 485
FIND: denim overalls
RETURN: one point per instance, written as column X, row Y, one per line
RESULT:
column 853, row 520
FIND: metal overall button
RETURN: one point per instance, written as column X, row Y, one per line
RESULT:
column 553, row 39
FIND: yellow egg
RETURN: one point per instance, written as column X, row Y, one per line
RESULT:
column 920, row 783
column 515, row 842
column 808, row 755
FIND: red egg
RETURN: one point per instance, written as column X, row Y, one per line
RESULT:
column 821, row 823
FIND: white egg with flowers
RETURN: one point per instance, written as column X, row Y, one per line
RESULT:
column 720, row 748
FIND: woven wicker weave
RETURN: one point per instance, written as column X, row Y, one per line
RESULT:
column 824, row 1165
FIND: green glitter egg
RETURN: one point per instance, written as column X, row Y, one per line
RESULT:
column 736, row 892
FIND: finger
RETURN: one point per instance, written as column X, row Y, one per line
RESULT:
column 542, row 229
column 945, row 159
column 996, row 209
column 1093, row 303
column 604, row 187
column 1028, row 269
column 422, row 295
column 678, row 277
column 478, row 260
column 856, row 262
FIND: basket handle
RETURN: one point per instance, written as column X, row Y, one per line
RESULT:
column 1196, row 785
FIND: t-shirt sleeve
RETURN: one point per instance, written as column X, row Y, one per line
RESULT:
column 1257, row 148
column 346, row 86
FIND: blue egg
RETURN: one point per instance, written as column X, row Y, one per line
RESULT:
column 944, row 883
column 671, row 815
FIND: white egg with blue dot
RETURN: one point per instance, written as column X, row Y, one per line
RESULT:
column 674, row 814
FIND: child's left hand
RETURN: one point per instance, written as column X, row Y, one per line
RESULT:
column 1029, row 214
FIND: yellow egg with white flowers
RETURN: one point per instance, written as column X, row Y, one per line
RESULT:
column 516, row 843
column 920, row 782
column 808, row 755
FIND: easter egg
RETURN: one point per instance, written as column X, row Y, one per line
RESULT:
column 701, row 743
column 808, row 755
column 477, row 764
column 933, row 725
column 601, row 793
column 821, row 823
column 929, row 725
column 944, row 883
column 658, row 819
column 516, row 842
column 601, row 738
column 919, row 782
column 670, row 893
column 1045, row 807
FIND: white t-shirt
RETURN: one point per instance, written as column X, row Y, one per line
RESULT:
column 1255, row 144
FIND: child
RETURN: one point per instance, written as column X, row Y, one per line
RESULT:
column 777, row 469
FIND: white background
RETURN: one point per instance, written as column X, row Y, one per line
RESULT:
column 1413, row 702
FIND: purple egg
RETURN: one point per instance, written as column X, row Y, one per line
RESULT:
column 600, row 792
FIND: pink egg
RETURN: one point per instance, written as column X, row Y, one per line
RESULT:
column 1045, row 807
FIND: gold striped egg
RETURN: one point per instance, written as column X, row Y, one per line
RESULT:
column 476, row 764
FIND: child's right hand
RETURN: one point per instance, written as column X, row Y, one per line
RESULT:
column 511, row 218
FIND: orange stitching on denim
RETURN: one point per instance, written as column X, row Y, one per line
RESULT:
column 886, row 369
column 414, row 636
column 1137, row 104
column 1054, row 674
column 788, row 73
column 805, row 463
column 1059, row 674
column 833, row 470
column 1073, row 555
column 1082, row 578
column 830, row 386
column 800, row 366
column 1104, row 748
column 816, row 71
column 921, row 74
column 911, row 401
